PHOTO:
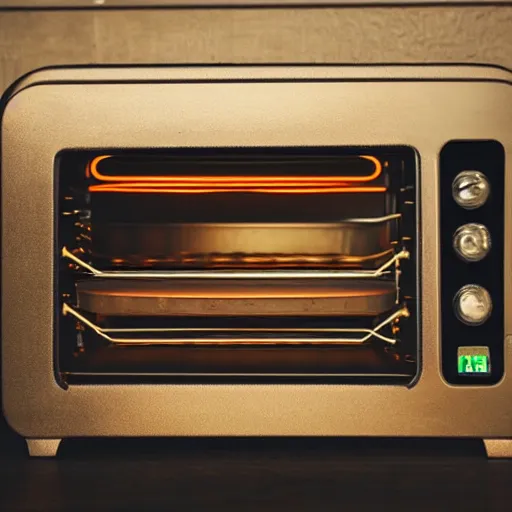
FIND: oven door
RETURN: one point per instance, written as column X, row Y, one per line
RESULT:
column 226, row 263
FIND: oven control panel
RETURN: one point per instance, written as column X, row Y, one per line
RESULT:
column 472, row 182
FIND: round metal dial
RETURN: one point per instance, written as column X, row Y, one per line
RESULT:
column 472, row 242
column 473, row 304
column 470, row 189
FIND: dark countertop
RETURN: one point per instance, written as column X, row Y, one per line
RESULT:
column 255, row 474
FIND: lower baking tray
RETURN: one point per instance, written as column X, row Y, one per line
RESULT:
column 243, row 297
column 242, row 244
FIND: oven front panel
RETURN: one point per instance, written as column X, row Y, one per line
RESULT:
column 44, row 121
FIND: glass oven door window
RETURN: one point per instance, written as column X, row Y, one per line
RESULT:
column 229, row 263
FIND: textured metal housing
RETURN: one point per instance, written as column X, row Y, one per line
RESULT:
column 300, row 106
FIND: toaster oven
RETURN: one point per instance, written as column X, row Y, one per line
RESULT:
column 257, row 250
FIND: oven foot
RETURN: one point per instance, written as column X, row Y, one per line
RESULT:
column 498, row 448
column 43, row 447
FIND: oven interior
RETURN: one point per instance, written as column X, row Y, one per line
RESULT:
column 237, row 264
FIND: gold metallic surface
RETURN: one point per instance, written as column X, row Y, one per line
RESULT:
column 43, row 447
column 92, row 74
column 498, row 448
column 348, row 239
column 424, row 115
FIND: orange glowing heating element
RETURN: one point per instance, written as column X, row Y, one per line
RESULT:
column 218, row 184
column 233, row 294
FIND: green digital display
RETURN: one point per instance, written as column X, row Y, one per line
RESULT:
column 474, row 363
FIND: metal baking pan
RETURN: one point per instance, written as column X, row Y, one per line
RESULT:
column 241, row 244
column 244, row 297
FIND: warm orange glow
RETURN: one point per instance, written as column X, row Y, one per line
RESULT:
column 270, row 183
column 230, row 179
column 248, row 260
column 224, row 184
column 150, row 189
column 208, row 293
